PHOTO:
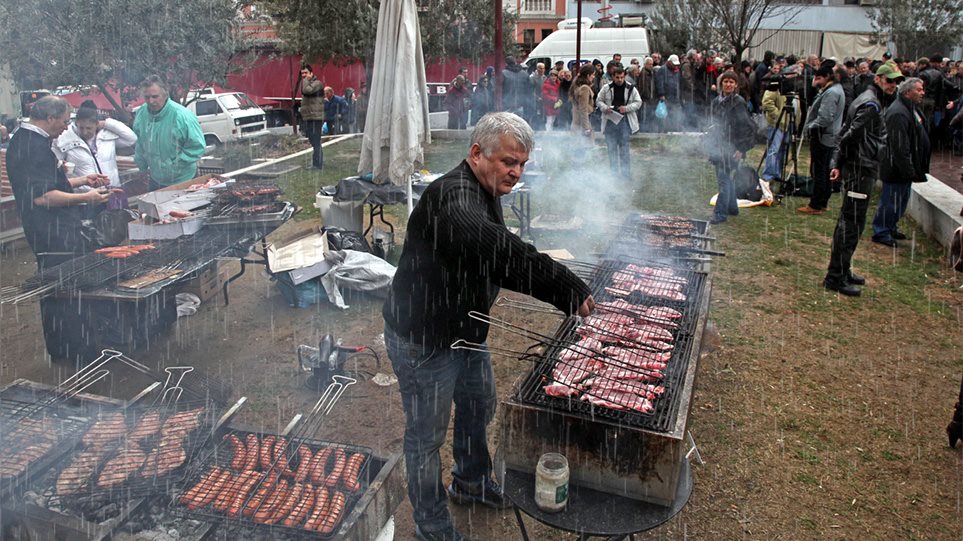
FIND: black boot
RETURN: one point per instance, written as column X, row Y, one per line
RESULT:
column 954, row 430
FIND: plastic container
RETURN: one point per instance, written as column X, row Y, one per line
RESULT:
column 346, row 215
column 551, row 482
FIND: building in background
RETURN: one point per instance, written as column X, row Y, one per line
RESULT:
column 536, row 20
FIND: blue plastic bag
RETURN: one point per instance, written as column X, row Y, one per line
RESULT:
column 324, row 129
column 661, row 110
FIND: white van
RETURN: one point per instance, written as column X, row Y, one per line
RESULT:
column 599, row 43
column 227, row 116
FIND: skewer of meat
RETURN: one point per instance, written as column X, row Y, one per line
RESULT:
column 333, row 516
column 206, row 483
column 239, row 459
column 352, row 472
column 320, row 465
column 284, row 508
column 305, row 459
column 253, row 452
column 340, row 459
column 267, row 446
column 321, row 505
column 302, row 509
column 235, row 508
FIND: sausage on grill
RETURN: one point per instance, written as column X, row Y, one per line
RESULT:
column 205, row 483
column 320, row 507
column 253, row 452
column 333, row 516
column 264, row 514
column 352, row 472
column 280, row 457
column 235, row 508
column 240, row 452
column 285, row 507
column 340, row 459
column 267, row 446
column 305, row 458
column 302, row 509
column 319, row 464
column 223, row 498
column 261, row 494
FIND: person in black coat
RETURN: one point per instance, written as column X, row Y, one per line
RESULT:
column 906, row 160
column 457, row 255
column 51, row 215
column 728, row 140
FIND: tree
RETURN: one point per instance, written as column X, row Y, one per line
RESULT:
column 344, row 30
column 116, row 43
column 919, row 27
column 731, row 24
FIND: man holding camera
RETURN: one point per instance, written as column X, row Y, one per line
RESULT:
column 823, row 126
column 774, row 103
column 855, row 161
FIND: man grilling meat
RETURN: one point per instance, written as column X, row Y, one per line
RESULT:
column 457, row 255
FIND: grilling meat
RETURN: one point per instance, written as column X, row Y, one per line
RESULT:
column 119, row 468
column 302, row 509
column 568, row 375
column 239, row 457
column 333, row 516
column 253, row 452
column 163, row 459
column 109, row 428
column 614, row 399
column 287, row 506
column 320, row 465
column 321, row 505
column 235, row 508
column 14, row 465
column 177, row 427
column 352, row 472
column 305, row 459
column 340, row 461
column 147, row 426
column 206, row 483
column 77, row 474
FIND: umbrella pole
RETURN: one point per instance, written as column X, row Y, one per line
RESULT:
column 411, row 206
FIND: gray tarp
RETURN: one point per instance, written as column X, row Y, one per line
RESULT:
column 396, row 126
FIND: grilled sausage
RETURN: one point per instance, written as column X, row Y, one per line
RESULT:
column 319, row 464
column 223, row 498
column 352, row 471
column 320, row 507
column 340, row 459
column 235, row 508
column 281, row 457
column 284, row 508
column 305, row 458
column 333, row 516
column 205, row 497
column 266, row 486
column 205, row 483
column 253, row 452
column 302, row 509
column 267, row 446
column 264, row 514
column 240, row 452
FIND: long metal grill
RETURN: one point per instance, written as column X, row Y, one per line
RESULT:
column 166, row 259
column 621, row 360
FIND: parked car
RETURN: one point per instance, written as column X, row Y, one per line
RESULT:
column 227, row 116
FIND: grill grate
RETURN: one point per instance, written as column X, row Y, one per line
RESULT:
column 195, row 505
column 662, row 294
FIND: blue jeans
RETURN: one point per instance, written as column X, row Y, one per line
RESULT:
column 892, row 205
column 774, row 155
column 617, row 141
column 430, row 379
column 726, row 203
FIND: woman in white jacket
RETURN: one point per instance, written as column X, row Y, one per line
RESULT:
column 91, row 145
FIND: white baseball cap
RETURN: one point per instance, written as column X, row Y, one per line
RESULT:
column 674, row 59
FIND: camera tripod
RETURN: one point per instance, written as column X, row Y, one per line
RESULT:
column 788, row 149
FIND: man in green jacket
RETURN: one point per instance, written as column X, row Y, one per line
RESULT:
column 169, row 137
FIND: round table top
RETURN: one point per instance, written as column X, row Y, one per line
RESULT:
column 593, row 513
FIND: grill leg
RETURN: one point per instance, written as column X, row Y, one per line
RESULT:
column 521, row 524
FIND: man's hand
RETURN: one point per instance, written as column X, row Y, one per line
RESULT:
column 96, row 196
column 834, row 175
column 587, row 307
column 622, row 109
column 96, row 180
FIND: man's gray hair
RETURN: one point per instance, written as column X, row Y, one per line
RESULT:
column 489, row 130
column 49, row 107
column 908, row 85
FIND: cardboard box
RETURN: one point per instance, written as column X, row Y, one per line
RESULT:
column 208, row 282
column 302, row 256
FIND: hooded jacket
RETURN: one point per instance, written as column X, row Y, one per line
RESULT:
column 863, row 138
column 169, row 143
column 72, row 148
column 907, row 156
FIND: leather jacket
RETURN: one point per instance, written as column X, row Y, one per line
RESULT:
column 863, row 139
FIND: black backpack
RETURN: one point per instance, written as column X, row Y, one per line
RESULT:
column 746, row 181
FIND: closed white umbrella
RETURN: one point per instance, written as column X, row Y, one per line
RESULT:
column 396, row 126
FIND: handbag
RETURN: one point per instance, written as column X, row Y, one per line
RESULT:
column 557, row 104
column 661, row 110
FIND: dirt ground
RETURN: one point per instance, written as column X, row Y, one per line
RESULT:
column 819, row 417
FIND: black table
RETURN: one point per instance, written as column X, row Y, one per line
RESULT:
column 591, row 513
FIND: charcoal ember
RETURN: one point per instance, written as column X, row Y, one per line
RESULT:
column 106, row 512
